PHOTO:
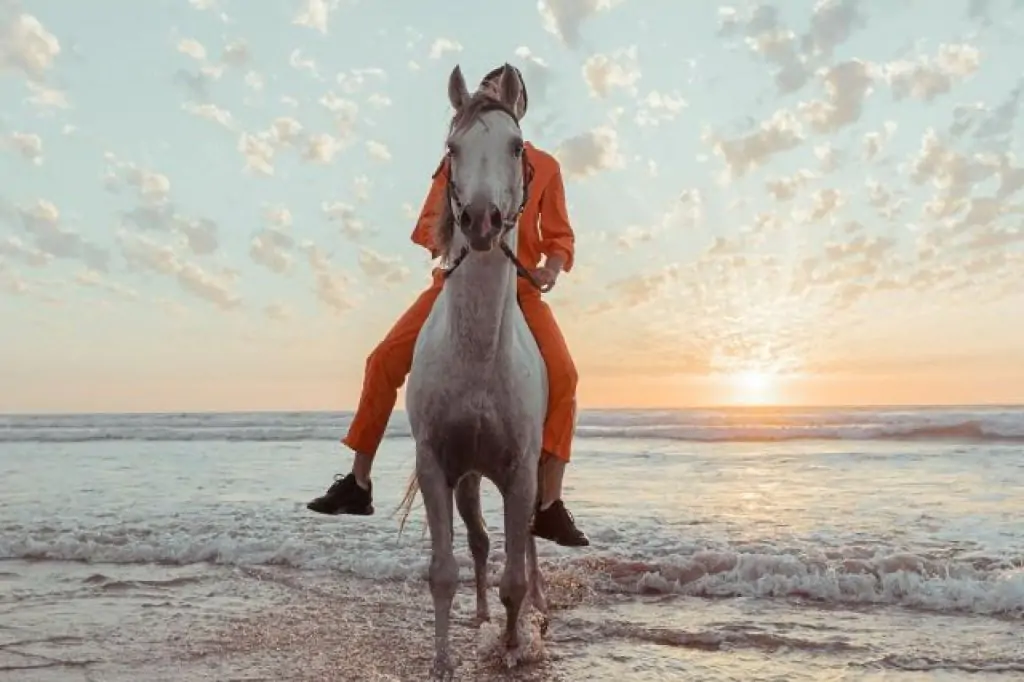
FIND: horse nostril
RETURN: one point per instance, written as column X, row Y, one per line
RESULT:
column 495, row 216
column 465, row 220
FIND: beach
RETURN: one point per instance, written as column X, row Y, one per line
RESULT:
column 743, row 544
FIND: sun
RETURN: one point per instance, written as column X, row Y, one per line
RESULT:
column 753, row 387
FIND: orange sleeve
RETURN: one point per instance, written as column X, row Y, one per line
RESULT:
column 557, row 237
column 423, row 233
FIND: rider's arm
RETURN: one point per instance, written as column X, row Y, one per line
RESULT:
column 430, row 213
column 557, row 238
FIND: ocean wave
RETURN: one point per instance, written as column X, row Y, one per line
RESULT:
column 992, row 586
column 994, row 425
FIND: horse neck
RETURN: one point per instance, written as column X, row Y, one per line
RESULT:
column 481, row 293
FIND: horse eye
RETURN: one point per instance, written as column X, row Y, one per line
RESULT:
column 450, row 150
column 517, row 148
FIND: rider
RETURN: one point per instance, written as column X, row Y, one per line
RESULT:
column 544, row 229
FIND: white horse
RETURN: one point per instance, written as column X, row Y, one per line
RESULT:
column 477, row 390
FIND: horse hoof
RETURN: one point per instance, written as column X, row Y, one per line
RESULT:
column 480, row 619
column 443, row 669
column 442, row 673
column 544, row 623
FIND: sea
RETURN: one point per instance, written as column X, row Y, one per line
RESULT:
column 747, row 544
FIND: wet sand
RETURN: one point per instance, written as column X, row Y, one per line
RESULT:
column 249, row 624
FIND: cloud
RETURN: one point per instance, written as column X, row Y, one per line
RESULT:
column 26, row 45
column 443, row 46
column 321, row 148
column 42, row 221
column 345, row 113
column 378, row 150
column 354, row 81
column 95, row 280
column 156, row 212
column 315, row 14
column 874, row 141
column 15, row 249
column 28, row 145
column 657, row 108
column 329, row 284
column 44, row 98
column 144, row 253
column 563, row 18
column 336, row 211
column 236, row 54
column 846, row 86
column 272, row 246
column 361, row 186
column 258, row 149
column 605, row 72
column 589, row 153
column 193, row 48
column 211, row 112
column 781, row 133
column 927, row 77
column 378, row 101
column 785, row 188
column 277, row 311
column 795, row 57
column 385, row 269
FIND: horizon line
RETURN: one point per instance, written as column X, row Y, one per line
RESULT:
column 735, row 407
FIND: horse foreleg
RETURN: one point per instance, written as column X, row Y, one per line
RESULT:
column 467, row 500
column 444, row 571
column 520, row 497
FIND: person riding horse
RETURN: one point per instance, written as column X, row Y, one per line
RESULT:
column 546, row 231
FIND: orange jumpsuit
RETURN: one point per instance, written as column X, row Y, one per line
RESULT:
column 543, row 229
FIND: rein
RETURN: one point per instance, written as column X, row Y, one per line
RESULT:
column 507, row 224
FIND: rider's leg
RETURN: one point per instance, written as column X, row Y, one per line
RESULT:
column 386, row 369
column 553, row 521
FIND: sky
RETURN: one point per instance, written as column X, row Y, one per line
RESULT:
column 206, row 204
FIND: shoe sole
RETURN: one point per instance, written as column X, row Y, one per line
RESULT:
column 578, row 543
column 365, row 511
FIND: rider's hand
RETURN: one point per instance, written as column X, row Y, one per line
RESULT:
column 546, row 277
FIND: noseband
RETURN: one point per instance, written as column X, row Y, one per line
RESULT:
column 508, row 222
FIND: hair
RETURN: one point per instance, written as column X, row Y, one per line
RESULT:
column 464, row 117
column 494, row 74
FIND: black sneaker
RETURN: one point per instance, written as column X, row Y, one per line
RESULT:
column 345, row 496
column 556, row 524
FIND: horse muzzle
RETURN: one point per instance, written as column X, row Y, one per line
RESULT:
column 481, row 224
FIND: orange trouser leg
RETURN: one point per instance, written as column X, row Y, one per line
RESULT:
column 560, row 421
column 386, row 369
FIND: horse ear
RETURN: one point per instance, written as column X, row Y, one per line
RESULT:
column 458, row 93
column 509, row 87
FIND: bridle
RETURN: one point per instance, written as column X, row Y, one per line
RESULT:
column 509, row 222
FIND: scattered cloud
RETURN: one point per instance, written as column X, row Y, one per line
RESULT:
column 442, row 46
column 378, row 150
column 315, row 14
column 385, row 269
column 27, row 145
column 606, row 72
column 26, row 45
column 590, row 153
column 329, row 283
column 144, row 253
column 564, row 18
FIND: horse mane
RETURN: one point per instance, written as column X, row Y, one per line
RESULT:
column 465, row 116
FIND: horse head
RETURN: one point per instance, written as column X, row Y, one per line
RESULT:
column 487, row 170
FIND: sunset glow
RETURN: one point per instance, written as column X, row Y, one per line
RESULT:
column 754, row 388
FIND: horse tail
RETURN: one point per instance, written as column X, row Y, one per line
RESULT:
column 405, row 506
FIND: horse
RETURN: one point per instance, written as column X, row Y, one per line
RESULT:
column 477, row 391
